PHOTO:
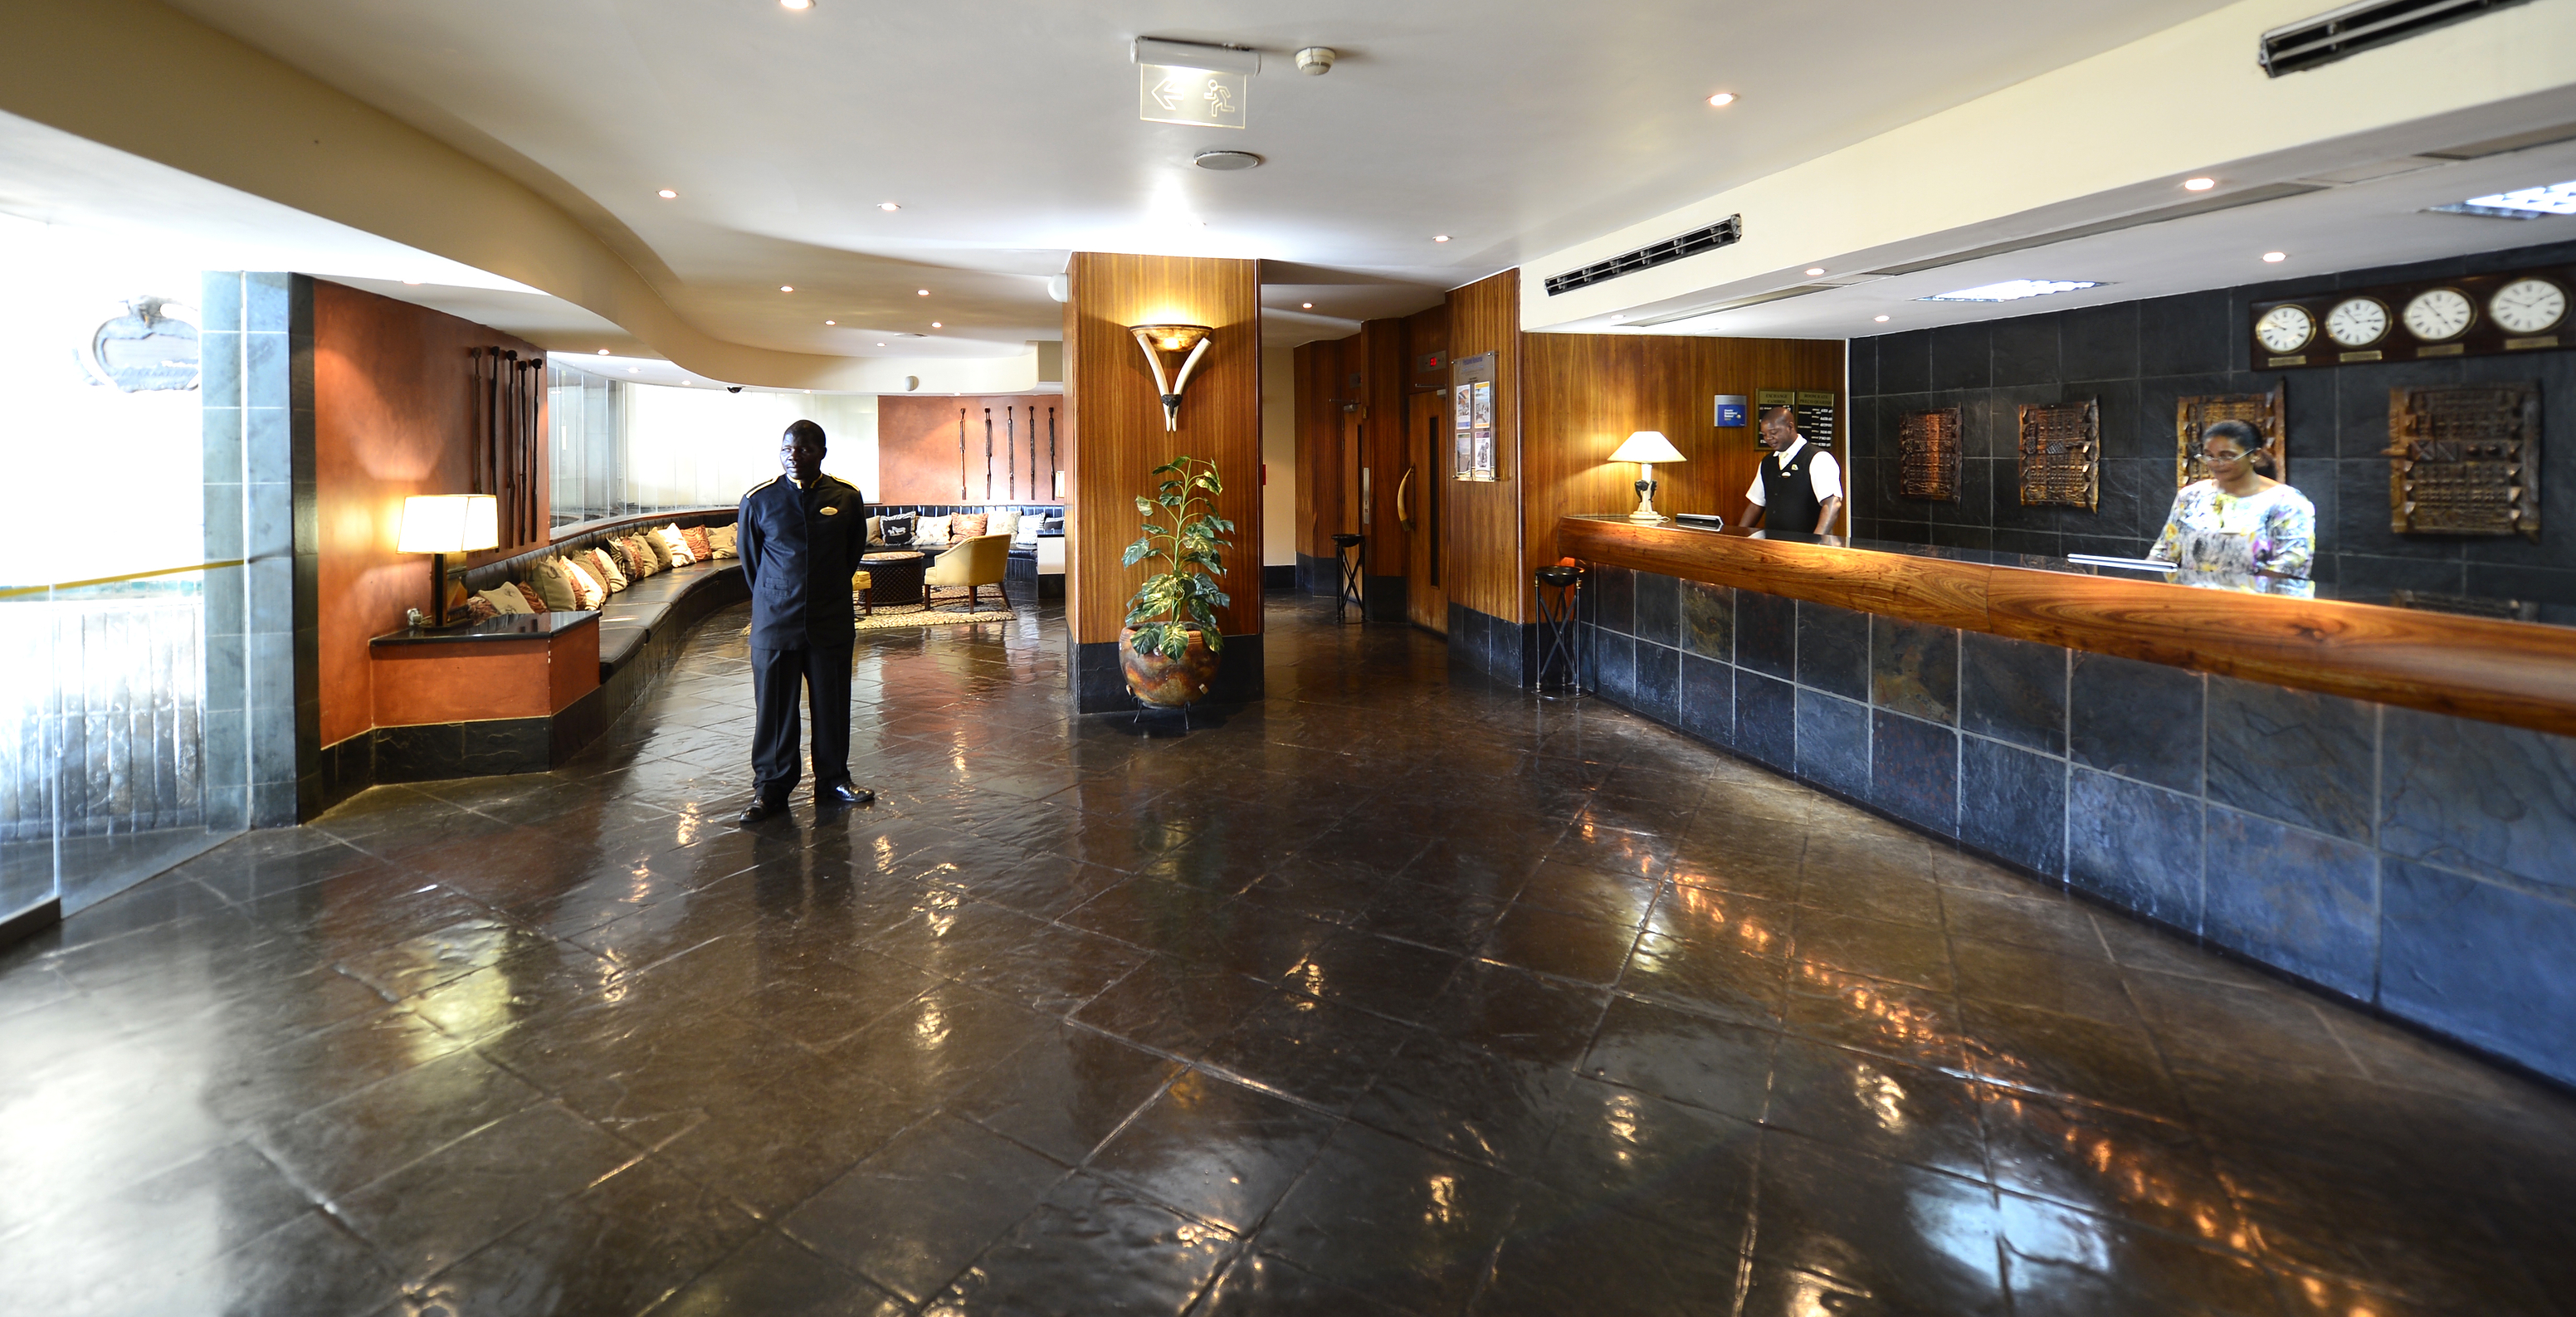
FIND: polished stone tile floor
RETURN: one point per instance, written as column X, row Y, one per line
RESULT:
column 1396, row 992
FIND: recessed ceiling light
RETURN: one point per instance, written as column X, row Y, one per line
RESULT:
column 635, row 370
column 2521, row 203
column 934, row 324
column 667, row 194
column 888, row 205
column 1814, row 270
column 1722, row 99
column 411, row 283
column 2012, row 290
column 795, row 4
column 787, row 288
column 921, row 292
column 1307, row 305
column 603, row 352
column 2198, row 184
column 880, row 345
column 1621, row 316
column 1440, row 237
column 831, row 322
column 1881, row 319
column 2275, row 258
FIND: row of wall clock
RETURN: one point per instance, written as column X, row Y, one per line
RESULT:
column 2471, row 316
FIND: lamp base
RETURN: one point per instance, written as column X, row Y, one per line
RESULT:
column 1647, row 515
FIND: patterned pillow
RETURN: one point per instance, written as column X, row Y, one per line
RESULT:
column 554, row 586
column 586, row 589
column 505, row 600
column 536, row 603
column 897, row 528
column 673, row 545
column 700, row 547
column 479, row 609
column 606, row 569
column 1002, row 521
column 652, row 542
column 931, row 530
column 641, row 554
column 966, row 525
column 721, row 539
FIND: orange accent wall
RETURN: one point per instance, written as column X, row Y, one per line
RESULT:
column 393, row 415
column 917, row 455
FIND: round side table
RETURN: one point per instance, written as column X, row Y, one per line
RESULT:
column 895, row 578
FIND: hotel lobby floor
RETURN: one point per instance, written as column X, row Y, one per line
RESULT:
column 1395, row 992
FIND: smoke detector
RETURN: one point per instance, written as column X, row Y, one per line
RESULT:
column 1226, row 161
column 1315, row 61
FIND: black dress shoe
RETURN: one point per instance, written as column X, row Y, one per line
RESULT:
column 760, row 809
column 847, row 794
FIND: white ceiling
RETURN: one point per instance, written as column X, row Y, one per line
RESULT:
column 1007, row 132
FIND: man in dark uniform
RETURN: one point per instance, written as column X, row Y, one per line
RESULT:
column 1799, row 487
column 801, row 536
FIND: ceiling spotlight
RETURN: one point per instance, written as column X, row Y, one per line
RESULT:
column 787, row 288
column 888, row 205
column 921, row 292
column 411, row 283
column 934, row 324
column 880, row 345
column 831, row 322
column 1440, row 237
column 603, row 352
column 795, row 4
column 1814, row 270
column 668, row 195
column 1307, row 305
column 2275, row 258
column 1722, row 100
column 1881, row 319
column 2198, row 184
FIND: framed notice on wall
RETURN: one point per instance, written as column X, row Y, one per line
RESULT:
column 1471, row 409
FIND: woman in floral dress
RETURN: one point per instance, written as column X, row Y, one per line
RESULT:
column 2240, row 529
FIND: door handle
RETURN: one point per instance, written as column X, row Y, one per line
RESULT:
column 1404, row 499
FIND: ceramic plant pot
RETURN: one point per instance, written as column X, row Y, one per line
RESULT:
column 1168, row 682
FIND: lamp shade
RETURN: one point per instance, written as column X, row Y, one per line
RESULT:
column 1648, row 446
column 450, row 523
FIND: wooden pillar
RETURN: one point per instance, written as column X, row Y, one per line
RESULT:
column 1114, row 438
column 1491, row 617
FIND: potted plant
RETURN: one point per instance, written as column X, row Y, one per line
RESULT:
column 1171, row 643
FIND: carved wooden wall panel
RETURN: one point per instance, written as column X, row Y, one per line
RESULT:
column 1927, row 445
column 2464, row 459
column 2061, row 450
column 2197, row 412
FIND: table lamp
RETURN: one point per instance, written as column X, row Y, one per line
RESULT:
column 1645, row 448
column 441, row 524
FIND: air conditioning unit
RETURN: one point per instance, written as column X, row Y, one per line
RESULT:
column 2358, row 27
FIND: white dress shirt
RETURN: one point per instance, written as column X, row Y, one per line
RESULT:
column 1824, row 474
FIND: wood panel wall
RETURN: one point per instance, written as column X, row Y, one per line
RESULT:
column 1483, row 525
column 1115, row 435
column 394, row 414
column 1380, row 366
column 1320, row 395
column 1583, row 394
column 917, row 448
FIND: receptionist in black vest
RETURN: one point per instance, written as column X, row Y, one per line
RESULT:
column 1799, row 487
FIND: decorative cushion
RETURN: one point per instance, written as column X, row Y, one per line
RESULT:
column 721, row 539
column 554, row 586
column 899, row 527
column 479, row 609
column 652, row 542
column 1026, row 532
column 586, row 589
column 699, row 547
column 1001, row 521
column 672, row 546
column 966, row 525
column 606, row 569
column 931, row 530
column 504, row 599
column 646, row 561
column 860, row 581
column 876, row 530
column 528, row 595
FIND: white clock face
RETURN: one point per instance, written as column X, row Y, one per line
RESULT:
column 2439, row 313
column 2528, row 306
column 2285, row 328
column 2357, row 321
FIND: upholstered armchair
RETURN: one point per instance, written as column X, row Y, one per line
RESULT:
column 973, row 563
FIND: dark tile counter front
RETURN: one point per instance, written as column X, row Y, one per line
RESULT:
column 2421, row 863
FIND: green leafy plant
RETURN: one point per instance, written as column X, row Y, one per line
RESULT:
column 1182, row 531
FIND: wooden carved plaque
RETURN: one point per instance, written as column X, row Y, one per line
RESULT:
column 1927, row 443
column 2464, row 459
column 2061, row 446
column 2199, row 411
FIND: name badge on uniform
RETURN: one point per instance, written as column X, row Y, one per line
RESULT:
column 831, row 512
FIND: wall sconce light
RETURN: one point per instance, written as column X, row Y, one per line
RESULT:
column 441, row 524
column 1645, row 448
column 1157, row 340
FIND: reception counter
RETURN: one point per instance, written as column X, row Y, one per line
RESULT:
column 2378, row 800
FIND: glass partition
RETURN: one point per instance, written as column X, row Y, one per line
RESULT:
column 621, row 448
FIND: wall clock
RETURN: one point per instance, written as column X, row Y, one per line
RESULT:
column 2357, row 322
column 2285, row 328
column 2440, row 314
column 2528, row 306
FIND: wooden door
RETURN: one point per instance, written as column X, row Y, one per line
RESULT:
column 1419, row 502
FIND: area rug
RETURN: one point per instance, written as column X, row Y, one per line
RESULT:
column 895, row 617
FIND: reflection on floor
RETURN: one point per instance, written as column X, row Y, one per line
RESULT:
column 1395, row 993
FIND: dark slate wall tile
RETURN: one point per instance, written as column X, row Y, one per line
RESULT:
column 1659, row 683
column 1766, row 720
column 1961, row 357
column 1658, row 608
column 2100, row 342
column 1708, row 700
column 1614, row 592
column 2184, row 335
column 2296, row 756
column 1614, row 666
column 1833, row 742
column 2026, row 350
column 1766, row 634
column 1914, row 771
column 2292, row 899
column 2140, row 720
column 1708, row 620
column 1833, row 650
column 2012, row 804
column 1905, row 362
column 2014, row 690
column 2479, row 961
column 2476, row 796
column 2134, row 845
column 1914, row 668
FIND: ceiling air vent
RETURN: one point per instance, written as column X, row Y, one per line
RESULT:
column 2358, row 27
column 1725, row 233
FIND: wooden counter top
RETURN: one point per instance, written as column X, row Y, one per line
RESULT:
column 2519, row 673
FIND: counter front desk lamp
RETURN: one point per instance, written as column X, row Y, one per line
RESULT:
column 441, row 524
column 1645, row 448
